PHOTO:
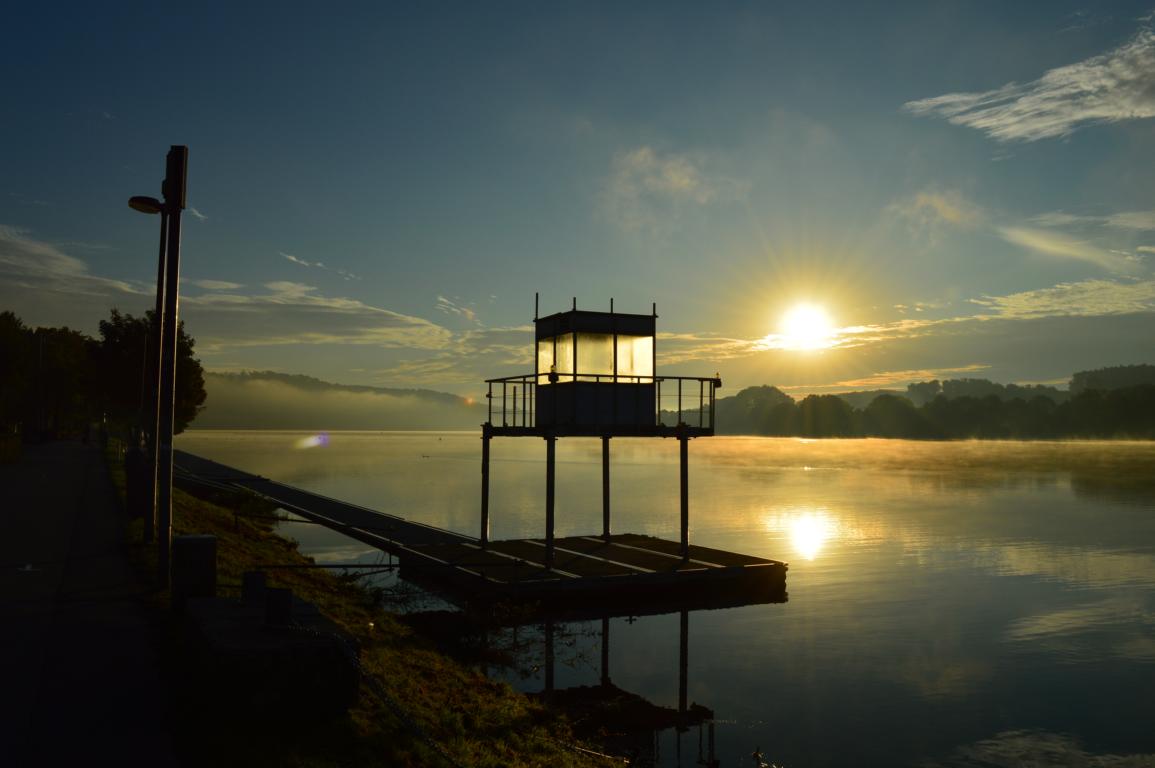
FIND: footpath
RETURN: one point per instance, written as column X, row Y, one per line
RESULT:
column 78, row 656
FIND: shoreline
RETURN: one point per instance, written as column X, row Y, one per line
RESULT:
column 447, row 708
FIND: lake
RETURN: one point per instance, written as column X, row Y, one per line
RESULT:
column 950, row 604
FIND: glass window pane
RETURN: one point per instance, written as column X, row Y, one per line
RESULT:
column 595, row 354
column 635, row 356
column 564, row 359
column 544, row 359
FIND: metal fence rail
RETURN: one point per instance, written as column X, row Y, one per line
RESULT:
column 689, row 400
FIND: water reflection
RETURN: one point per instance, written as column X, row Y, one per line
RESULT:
column 809, row 530
column 939, row 592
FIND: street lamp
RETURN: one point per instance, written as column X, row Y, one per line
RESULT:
column 145, row 204
column 166, row 325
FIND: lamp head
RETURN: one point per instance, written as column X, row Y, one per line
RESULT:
column 145, row 204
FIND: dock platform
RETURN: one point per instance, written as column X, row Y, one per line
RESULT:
column 639, row 574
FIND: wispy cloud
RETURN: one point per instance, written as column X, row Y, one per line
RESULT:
column 319, row 265
column 1087, row 298
column 469, row 358
column 213, row 285
column 1063, row 246
column 450, row 307
column 1140, row 221
column 1143, row 221
column 290, row 313
column 28, row 263
column 299, row 260
column 200, row 216
column 1117, row 85
column 929, row 212
column 647, row 188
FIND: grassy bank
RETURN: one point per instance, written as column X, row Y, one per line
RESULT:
column 441, row 713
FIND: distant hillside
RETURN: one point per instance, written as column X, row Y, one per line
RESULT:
column 268, row 400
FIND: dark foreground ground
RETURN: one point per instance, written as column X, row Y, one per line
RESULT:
column 78, row 659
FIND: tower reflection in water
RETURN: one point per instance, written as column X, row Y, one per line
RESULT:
column 557, row 658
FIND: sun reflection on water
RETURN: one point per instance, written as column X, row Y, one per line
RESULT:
column 810, row 530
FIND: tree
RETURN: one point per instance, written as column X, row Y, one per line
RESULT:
column 826, row 416
column 124, row 354
column 895, row 416
column 15, row 370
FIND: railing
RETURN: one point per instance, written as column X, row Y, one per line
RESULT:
column 689, row 400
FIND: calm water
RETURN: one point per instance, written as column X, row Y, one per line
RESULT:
column 950, row 603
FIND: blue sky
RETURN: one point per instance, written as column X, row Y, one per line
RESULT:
column 378, row 190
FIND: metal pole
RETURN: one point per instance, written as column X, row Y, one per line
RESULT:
column 606, row 486
column 683, row 444
column 550, row 459
column 174, row 196
column 156, row 344
column 485, row 438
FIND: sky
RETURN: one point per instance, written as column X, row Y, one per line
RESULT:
column 377, row 190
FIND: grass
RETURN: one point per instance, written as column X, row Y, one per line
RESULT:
column 439, row 705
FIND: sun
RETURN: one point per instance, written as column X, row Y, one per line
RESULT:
column 807, row 327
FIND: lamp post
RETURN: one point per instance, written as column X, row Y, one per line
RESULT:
column 151, row 205
column 166, row 332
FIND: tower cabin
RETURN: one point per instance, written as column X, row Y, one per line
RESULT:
column 595, row 376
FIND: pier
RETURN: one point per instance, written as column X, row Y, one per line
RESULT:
column 624, row 573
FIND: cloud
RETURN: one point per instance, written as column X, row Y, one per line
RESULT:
column 930, row 211
column 1118, row 85
column 1087, row 298
column 1057, row 244
column 294, row 313
column 200, row 216
column 469, row 358
column 1141, row 221
column 450, row 307
column 296, row 259
column 1146, row 249
column 30, row 264
column 319, row 265
column 648, row 188
column 213, row 285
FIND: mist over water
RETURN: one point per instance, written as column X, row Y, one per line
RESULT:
column 957, row 603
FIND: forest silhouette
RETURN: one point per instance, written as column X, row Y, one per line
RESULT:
column 1110, row 403
column 55, row 382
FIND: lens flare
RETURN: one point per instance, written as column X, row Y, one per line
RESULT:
column 319, row 440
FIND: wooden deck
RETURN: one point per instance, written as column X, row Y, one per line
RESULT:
column 626, row 573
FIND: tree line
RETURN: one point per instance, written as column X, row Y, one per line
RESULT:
column 1124, row 412
column 56, row 382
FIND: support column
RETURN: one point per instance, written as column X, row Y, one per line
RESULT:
column 683, row 660
column 486, row 436
column 550, row 461
column 606, row 487
column 683, row 445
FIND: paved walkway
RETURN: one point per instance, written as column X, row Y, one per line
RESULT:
column 78, row 660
